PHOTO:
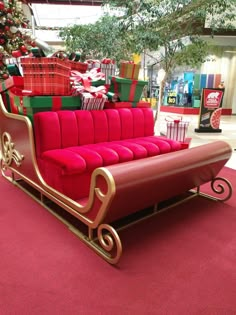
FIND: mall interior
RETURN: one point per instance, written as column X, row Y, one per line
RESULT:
column 128, row 211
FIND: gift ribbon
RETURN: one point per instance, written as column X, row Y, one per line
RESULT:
column 86, row 83
column 3, row 87
column 115, row 84
column 123, row 68
column 23, row 108
column 56, row 103
column 13, row 106
column 107, row 61
column 86, row 78
column 133, row 70
column 132, row 90
column 20, row 92
column 173, row 119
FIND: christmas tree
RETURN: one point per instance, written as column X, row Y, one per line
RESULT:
column 14, row 40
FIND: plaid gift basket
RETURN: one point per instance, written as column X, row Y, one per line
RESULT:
column 176, row 129
column 46, row 75
column 82, row 67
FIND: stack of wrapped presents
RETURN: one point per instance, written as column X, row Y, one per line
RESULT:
column 126, row 89
column 54, row 83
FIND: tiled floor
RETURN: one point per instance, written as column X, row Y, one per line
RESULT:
column 228, row 134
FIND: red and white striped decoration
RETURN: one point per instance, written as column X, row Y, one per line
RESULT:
column 177, row 130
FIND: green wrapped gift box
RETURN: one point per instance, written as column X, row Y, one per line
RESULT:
column 98, row 82
column 29, row 105
column 127, row 90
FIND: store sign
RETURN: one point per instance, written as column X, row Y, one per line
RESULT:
column 171, row 98
column 212, row 98
column 210, row 111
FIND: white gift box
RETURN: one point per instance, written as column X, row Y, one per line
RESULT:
column 108, row 70
column 177, row 130
column 90, row 101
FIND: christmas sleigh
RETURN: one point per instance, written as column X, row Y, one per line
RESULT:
column 101, row 168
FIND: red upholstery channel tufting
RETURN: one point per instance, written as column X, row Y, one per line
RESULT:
column 71, row 144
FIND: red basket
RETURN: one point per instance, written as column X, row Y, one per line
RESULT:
column 79, row 66
column 46, row 76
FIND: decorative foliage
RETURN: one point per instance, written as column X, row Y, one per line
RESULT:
column 103, row 39
column 14, row 41
column 170, row 26
column 174, row 28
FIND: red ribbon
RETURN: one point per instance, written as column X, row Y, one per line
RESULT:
column 108, row 61
column 86, row 84
column 98, row 95
column 116, row 87
column 175, row 120
column 14, row 108
column 19, row 93
column 133, row 70
column 132, row 90
column 56, row 103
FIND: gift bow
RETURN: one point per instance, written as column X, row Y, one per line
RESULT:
column 107, row 61
column 92, row 75
column 129, row 62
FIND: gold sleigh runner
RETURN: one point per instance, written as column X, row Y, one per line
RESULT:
column 113, row 189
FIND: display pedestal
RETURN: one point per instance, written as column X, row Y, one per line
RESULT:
column 207, row 130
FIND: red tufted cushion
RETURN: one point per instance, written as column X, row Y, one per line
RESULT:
column 71, row 144
column 68, row 161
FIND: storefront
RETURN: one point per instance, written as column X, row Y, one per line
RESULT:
column 183, row 92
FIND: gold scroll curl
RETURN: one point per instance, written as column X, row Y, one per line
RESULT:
column 9, row 153
column 222, row 186
column 110, row 242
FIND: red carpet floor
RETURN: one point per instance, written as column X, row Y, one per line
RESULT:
column 183, row 261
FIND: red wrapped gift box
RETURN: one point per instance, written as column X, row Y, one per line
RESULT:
column 10, row 82
column 46, row 76
column 5, row 86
